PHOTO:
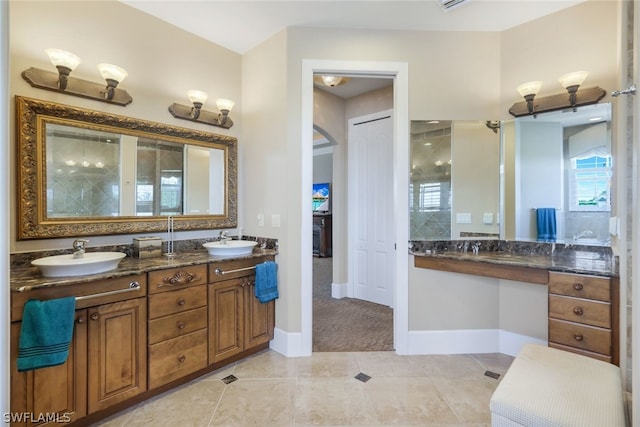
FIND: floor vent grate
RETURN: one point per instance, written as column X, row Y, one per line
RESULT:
column 229, row 379
column 493, row 375
column 362, row 377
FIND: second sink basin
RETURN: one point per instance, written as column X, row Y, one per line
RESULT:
column 67, row 265
column 230, row 248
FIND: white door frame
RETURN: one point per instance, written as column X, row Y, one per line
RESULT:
column 399, row 71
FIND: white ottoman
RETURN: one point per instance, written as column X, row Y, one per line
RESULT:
column 549, row 387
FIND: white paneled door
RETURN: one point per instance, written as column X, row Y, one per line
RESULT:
column 371, row 230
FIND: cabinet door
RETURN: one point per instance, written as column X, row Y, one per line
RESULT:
column 117, row 366
column 259, row 318
column 225, row 319
column 53, row 395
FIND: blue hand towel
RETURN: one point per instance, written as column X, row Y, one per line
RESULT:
column 267, row 281
column 46, row 332
column 546, row 218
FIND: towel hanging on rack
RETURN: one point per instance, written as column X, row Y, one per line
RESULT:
column 45, row 333
column 266, row 281
column 546, row 224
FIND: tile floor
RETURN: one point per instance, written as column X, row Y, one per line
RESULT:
column 272, row 390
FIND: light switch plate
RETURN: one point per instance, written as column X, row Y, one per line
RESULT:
column 487, row 218
column 463, row 218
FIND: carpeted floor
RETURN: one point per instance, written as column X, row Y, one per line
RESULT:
column 347, row 324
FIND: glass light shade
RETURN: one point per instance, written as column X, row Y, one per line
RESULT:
column 112, row 72
column 63, row 58
column 224, row 104
column 573, row 79
column 529, row 88
column 197, row 96
column 331, row 80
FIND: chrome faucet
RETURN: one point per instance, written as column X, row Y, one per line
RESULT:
column 582, row 234
column 223, row 237
column 78, row 248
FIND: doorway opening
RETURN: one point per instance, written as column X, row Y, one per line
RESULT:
column 399, row 73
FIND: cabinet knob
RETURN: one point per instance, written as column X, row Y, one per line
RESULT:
column 181, row 301
column 181, row 325
column 577, row 286
column 81, row 319
column 578, row 337
column 578, row 311
column 182, row 358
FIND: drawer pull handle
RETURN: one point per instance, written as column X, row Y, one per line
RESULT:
column 182, row 358
column 578, row 286
column 181, row 325
column 578, row 337
column 180, row 278
column 578, row 311
column 181, row 302
column 94, row 316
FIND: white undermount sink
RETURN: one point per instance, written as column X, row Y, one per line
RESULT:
column 89, row 263
column 230, row 247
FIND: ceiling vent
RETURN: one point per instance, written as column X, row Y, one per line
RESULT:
column 448, row 4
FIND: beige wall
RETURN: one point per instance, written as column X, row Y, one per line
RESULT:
column 163, row 63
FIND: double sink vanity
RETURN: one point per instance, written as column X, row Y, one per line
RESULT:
column 582, row 282
column 141, row 329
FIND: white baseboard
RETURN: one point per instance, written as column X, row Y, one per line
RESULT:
column 288, row 344
column 511, row 343
column 339, row 290
column 467, row 341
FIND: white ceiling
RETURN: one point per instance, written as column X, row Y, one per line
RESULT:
column 240, row 25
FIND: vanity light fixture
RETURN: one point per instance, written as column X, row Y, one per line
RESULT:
column 65, row 62
column 571, row 82
column 195, row 113
column 529, row 91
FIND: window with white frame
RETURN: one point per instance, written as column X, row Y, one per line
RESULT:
column 590, row 183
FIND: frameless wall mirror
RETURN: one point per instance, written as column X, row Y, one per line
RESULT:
column 560, row 162
column 454, row 182
column 83, row 172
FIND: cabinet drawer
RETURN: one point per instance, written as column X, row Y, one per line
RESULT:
column 177, row 278
column 585, row 337
column 177, row 325
column 166, row 303
column 581, row 286
column 177, row 357
column 603, row 357
column 590, row 312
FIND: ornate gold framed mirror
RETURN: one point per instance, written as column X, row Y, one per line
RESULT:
column 83, row 173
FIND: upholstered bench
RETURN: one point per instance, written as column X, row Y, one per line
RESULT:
column 549, row 387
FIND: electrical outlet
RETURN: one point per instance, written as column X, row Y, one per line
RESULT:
column 260, row 220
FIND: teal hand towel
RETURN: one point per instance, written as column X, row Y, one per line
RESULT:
column 266, row 281
column 46, row 332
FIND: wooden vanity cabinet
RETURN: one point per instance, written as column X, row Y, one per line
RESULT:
column 583, row 315
column 107, row 355
column 58, row 389
column 177, row 323
column 237, row 320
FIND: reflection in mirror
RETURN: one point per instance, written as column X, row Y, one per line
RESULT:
column 454, row 184
column 559, row 162
column 84, row 172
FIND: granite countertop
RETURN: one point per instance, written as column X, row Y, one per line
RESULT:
column 29, row 278
column 565, row 258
